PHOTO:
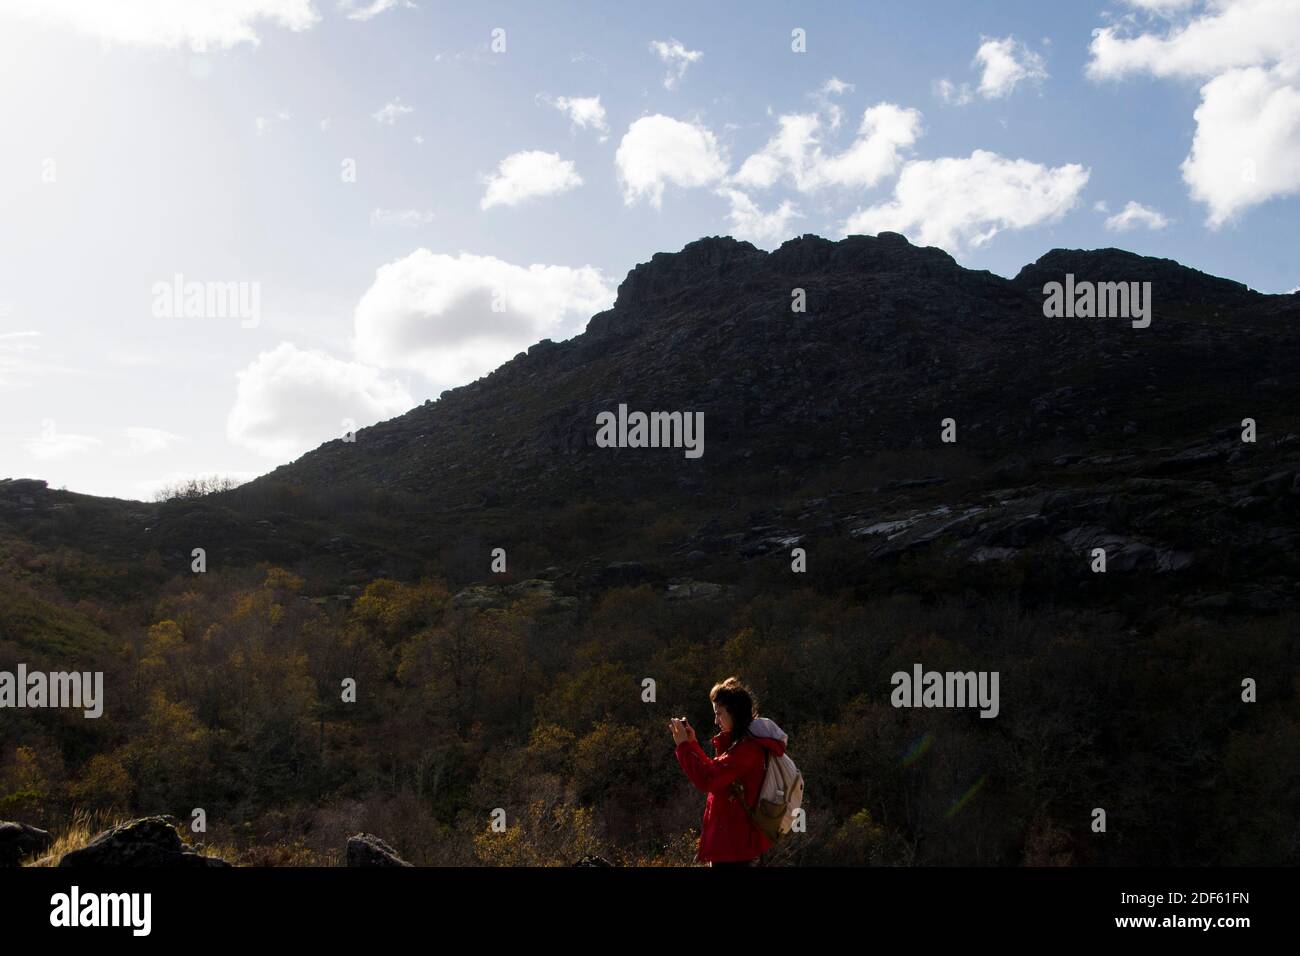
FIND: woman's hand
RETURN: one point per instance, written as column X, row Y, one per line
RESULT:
column 681, row 730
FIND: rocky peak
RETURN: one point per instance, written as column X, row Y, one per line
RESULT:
column 1171, row 281
column 888, row 252
column 888, row 259
column 699, row 261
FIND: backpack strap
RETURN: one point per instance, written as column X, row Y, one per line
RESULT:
column 738, row 788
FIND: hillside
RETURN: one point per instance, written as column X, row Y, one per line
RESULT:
column 370, row 561
column 1087, row 425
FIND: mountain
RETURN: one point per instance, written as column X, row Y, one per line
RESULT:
column 1171, row 449
column 1084, row 428
column 894, row 339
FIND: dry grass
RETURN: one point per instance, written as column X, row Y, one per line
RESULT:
column 85, row 825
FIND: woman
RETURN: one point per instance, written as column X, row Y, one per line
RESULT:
column 728, row 837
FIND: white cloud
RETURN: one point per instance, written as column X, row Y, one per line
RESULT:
column 168, row 24
column 677, row 57
column 527, row 175
column 1228, row 34
column 1004, row 64
column 832, row 87
column 658, row 150
column 143, row 441
column 1160, row 6
column 795, row 151
column 390, row 113
column 54, row 444
column 1246, row 149
column 290, row 400
column 750, row 223
column 1135, row 214
column 1247, row 144
column 16, row 355
column 408, row 218
column 584, row 112
column 952, row 93
column 435, row 313
column 786, row 153
column 373, row 9
column 958, row 202
column 20, row 361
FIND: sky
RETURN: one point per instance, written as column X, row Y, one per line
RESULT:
column 231, row 230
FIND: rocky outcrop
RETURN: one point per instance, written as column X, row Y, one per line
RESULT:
column 689, row 590
column 1177, row 284
column 703, row 260
column 365, row 849
column 147, row 842
column 18, row 840
column 481, row 596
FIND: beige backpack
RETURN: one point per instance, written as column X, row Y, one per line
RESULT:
column 780, row 796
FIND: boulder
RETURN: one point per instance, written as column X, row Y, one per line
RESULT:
column 688, row 590
column 18, row 840
column 478, row 596
column 482, row 596
column 149, row 841
column 365, row 849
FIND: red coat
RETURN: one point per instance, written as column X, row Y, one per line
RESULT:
column 728, row 834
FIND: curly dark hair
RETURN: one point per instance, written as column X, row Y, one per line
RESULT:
column 740, row 703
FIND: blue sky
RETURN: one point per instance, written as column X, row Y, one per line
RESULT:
column 214, row 141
